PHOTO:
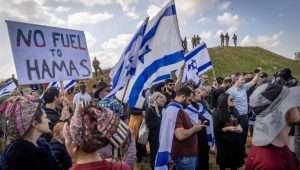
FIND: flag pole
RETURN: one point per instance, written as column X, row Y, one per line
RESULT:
column 214, row 73
column 62, row 88
column 125, row 91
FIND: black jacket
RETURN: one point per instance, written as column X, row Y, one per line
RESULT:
column 53, row 116
column 153, row 121
column 24, row 155
column 61, row 155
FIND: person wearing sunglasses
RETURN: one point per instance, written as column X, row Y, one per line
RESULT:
column 169, row 90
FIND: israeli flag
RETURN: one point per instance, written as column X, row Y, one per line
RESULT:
column 67, row 84
column 202, row 111
column 166, row 135
column 161, row 78
column 162, row 53
column 7, row 88
column 126, row 66
column 197, row 62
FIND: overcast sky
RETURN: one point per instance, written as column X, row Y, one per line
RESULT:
column 109, row 24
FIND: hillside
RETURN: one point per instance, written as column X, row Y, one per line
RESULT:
column 241, row 59
column 244, row 59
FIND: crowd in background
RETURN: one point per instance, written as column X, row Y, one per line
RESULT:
column 49, row 131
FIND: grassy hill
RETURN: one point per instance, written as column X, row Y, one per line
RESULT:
column 244, row 59
column 241, row 59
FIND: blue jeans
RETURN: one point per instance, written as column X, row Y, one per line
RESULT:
column 186, row 163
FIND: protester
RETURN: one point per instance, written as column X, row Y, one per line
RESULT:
column 204, row 82
column 129, row 157
column 102, row 90
column 27, row 121
column 82, row 96
column 197, row 111
column 263, row 78
column 227, row 39
column 216, row 85
column 239, row 93
column 222, row 37
column 136, row 117
column 96, row 65
column 52, row 101
column 58, row 148
column 94, row 90
column 277, row 108
column 153, row 120
column 228, row 133
column 285, row 77
column 111, row 103
column 67, row 111
column 234, row 38
column 182, row 140
column 91, row 129
column 226, row 83
column 169, row 90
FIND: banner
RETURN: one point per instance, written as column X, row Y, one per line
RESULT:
column 45, row 54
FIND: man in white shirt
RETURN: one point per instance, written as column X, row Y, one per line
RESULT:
column 82, row 96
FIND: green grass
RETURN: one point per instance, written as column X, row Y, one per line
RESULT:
column 230, row 60
column 245, row 59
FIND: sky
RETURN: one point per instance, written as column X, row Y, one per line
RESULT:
column 110, row 24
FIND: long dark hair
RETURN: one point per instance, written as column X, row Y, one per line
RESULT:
column 223, row 111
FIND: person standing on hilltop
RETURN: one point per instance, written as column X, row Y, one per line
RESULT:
column 185, row 44
column 96, row 65
column 193, row 41
column 222, row 39
column 227, row 39
column 234, row 38
column 198, row 38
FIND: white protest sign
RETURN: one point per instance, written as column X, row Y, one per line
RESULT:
column 45, row 54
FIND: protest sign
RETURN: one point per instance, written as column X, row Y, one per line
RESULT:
column 45, row 54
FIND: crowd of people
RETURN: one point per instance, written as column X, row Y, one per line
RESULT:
column 89, row 132
column 195, row 40
column 225, row 38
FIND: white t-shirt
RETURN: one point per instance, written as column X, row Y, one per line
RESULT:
column 79, row 97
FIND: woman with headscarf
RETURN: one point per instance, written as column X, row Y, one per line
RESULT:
column 228, row 134
column 25, row 123
column 153, row 119
column 91, row 129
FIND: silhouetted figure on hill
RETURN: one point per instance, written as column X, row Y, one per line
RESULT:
column 193, row 41
column 227, row 39
column 234, row 38
column 198, row 39
column 96, row 65
column 222, row 39
column 185, row 44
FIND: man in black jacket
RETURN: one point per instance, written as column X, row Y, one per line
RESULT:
column 52, row 102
